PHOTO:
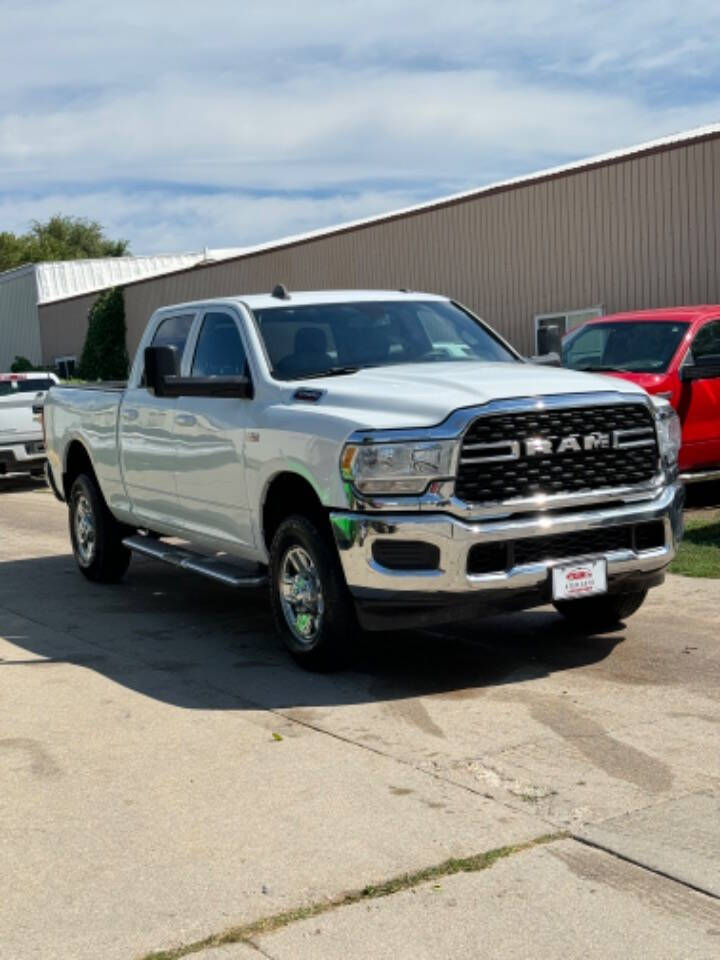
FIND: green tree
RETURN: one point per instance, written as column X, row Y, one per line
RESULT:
column 104, row 355
column 59, row 238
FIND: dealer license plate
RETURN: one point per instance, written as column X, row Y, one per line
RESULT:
column 579, row 579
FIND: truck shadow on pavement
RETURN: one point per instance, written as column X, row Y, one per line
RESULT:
column 20, row 483
column 191, row 643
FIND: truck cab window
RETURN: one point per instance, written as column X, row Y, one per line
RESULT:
column 706, row 345
column 172, row 332
column 220, row 351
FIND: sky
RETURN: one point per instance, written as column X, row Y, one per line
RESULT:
column 224, row 123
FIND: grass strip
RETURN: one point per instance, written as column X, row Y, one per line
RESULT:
column 406, row 881
column 699, row 553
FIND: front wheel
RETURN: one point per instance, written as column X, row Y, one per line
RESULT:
column 598, row 613
column 95, row 534
column 312, row 608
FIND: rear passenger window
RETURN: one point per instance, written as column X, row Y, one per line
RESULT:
column 219, row 351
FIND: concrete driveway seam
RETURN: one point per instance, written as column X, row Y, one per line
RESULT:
column 248, row 932
column 636, row 862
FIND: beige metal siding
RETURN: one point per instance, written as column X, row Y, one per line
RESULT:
column 639, row 232
column 63, row 326
column 19, row 329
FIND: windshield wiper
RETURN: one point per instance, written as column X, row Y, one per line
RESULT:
column 330, row 372
column 593, row 369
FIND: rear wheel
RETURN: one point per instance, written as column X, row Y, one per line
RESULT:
column 597, row 613
column 95, row 534
column 313, row 610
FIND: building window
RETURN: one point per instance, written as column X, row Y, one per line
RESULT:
column 65, row 367
column 550, row 328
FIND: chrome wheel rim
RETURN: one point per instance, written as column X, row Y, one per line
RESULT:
column 301, row 595
column 84, row 526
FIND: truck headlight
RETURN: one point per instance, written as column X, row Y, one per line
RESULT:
column 377, row 468
column 669, row 431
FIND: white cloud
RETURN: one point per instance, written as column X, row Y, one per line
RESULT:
column 122, row 112
column 165, row 222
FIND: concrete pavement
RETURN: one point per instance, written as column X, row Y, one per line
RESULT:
column 167, row 772
column 561, row 900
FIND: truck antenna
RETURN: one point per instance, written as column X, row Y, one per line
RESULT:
column 280, row 292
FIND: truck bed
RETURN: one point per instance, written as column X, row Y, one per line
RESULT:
column 87, row 414
column 111, row 385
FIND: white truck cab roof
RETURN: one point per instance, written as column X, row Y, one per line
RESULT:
column 306, row 298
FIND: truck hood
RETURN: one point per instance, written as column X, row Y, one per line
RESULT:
column 419, row 395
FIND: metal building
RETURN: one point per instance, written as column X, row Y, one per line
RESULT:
column 636, row 228
column 25, row 291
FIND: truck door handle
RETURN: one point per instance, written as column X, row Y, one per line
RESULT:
column 185, row 420
column 130, row 414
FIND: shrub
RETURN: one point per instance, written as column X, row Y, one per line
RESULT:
column 21, row 365
column 104, row 355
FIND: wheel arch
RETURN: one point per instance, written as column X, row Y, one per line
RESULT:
column 288, row 493
column 77, row 461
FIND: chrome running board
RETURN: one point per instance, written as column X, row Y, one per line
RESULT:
column 216, row 568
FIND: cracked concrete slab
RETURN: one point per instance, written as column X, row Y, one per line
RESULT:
column 231, row 951
column 148, row 802
column 130, row 824
column 680, row 837
column 563, row 900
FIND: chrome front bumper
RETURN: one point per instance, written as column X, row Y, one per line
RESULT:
column 355, row 533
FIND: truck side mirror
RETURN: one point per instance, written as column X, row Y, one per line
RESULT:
column 549, row 340
column 160, row 362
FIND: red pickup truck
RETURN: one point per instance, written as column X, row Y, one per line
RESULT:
column 673, row 353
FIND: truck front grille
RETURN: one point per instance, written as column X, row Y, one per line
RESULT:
column 605, row 446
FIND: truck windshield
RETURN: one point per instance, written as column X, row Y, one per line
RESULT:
column 338, row 338
column 642, row 347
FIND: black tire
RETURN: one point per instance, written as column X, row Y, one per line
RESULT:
column 95, row 534
column 318, row 639
column 600, row 613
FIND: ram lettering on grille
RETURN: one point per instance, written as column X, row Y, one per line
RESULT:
column 520, row 455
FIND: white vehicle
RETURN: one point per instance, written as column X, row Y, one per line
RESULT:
column 381, row 459
column 22, row 449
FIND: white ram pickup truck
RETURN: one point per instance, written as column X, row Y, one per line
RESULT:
column 22, row 449
column 380, row 459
